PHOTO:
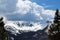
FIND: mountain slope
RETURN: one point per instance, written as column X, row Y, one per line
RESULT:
column 25, row 31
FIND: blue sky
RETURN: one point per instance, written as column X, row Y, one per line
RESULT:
column 52, row 4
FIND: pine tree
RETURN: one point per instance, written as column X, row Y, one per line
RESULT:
column 54, row 29
column 3, row 33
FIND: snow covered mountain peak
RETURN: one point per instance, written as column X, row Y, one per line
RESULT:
column 18, row 27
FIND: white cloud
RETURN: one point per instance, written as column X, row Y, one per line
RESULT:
column 23, row 7
column 49, row 12
column 47, row 6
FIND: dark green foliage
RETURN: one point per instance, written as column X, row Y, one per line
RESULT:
column 3, row 33
column 54, row 29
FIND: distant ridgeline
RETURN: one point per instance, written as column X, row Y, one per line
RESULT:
column 54, row 28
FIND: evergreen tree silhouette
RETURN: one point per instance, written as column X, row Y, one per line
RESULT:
column 3, row 33
column 54, row 29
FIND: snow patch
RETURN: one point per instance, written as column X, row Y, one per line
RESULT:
column 14, row 28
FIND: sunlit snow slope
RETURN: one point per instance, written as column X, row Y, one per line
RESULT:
column 16, row 26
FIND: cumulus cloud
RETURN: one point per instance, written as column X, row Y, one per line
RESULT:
column 24, row 10
column 25, row 7
column 49, row 12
